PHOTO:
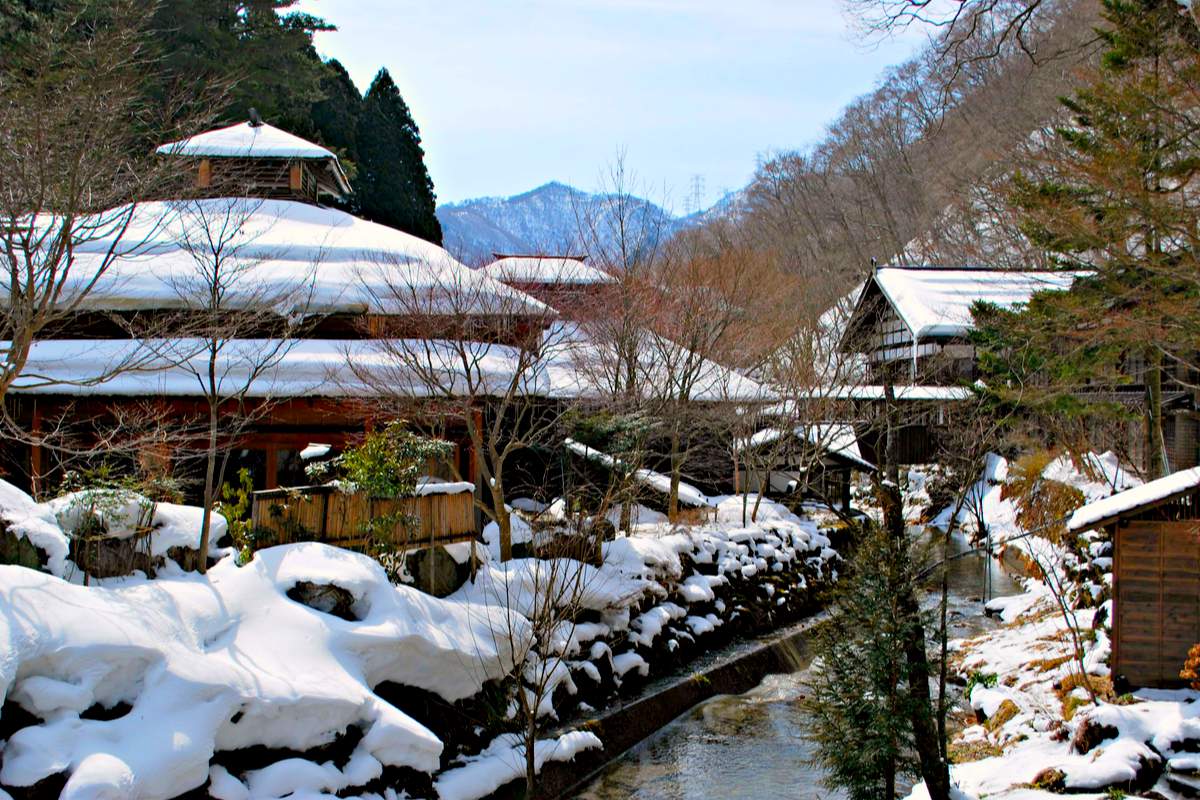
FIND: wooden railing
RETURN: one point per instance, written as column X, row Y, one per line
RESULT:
column 354, row 520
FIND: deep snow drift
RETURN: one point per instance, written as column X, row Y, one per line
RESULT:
column 139, row 687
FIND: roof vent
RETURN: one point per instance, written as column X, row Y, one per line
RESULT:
column 255, row 119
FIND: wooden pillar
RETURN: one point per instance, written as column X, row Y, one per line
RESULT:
column 296, row 177
column 204, row 174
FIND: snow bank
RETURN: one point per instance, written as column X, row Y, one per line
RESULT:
column 227, row 661
column 124, row 514
column 504, row 761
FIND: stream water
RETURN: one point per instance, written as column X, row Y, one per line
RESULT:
column 754, row 745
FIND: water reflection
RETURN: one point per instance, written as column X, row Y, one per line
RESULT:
column 747, row 746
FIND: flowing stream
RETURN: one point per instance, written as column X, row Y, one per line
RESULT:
column 754, row 745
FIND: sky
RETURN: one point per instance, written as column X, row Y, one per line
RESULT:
column 510, row 94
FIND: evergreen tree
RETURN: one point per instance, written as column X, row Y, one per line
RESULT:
column 335, row 116
column 393, row 187
column 259, row 49
column 859, row 707
column 1113, row 193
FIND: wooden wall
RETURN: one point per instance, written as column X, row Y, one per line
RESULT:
column 1157, row 599
column 323, row 514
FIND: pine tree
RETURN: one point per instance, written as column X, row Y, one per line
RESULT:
column 860, row 709
column 259, row 48
column 335, row 116
column 1113, row 193
column 393, row 185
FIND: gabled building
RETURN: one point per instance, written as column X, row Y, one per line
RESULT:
column 911, row 327
column 913, row 322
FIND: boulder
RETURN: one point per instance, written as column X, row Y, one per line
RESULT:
column 1089, row 734
column 435, row 571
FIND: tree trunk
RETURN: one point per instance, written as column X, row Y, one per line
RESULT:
column 210, row 479
column 676, row 470
column 503, row 521
column 1157, row 464
column 934, row 769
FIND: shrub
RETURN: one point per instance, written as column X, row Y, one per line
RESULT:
column 1191, row 667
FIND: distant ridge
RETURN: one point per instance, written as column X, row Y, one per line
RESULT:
column 542, row 220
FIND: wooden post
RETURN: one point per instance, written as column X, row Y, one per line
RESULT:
column 296, row 177
column 204, row 174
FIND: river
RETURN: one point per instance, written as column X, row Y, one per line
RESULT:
column 754, row 745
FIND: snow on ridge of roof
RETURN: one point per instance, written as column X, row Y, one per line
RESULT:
column 355, row 264
column 562, row 270
column 581, row 365
column 1155, row 491
column 688, row 495
column 245, row 140
column 835, row 438
column 937, row 301
column 875, row 392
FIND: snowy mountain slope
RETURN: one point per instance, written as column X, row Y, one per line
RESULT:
column 545, row 219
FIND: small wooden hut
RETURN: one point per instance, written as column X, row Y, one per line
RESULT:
column 1156, row 575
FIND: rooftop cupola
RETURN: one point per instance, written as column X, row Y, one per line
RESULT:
column 254, row 159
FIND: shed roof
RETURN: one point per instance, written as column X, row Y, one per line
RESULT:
column 1148, row 495
column 549, row 270
column 245, row 140
column 838, row 439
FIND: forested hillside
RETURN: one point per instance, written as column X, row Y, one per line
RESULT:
column 903, row 174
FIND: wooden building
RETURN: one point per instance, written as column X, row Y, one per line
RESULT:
column 814, row 462
column 911, row 327
column 1155, row 531
column 253, row 159
column 257, row 196
column 562, row 281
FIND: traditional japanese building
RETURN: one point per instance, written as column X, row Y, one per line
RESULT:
column 911, row 328
column 254, row 208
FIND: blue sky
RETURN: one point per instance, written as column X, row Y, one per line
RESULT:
column 510, row 94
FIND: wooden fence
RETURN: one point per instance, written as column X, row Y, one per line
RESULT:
column 325, row 514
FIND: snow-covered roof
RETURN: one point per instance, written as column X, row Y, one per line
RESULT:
column 279, row 246
column 300, row 368
column 688, row 495
column 549, row 270
column 1103, row 511
column 902, row 392
column 580, row 365
column 835, row 438
column 244, row 140
column 935, row 302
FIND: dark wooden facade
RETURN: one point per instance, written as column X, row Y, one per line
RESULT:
column 1156, row 590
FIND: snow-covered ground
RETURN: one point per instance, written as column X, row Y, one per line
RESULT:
column 151, row 687
column 1037, row 732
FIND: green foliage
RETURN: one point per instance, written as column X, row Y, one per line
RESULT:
column 393, row 186
column 1111, row 194
column 859, row 706
column 613, row 433
column 986, row 679
column 261, row 49
column 387, row 462
column 235, row 505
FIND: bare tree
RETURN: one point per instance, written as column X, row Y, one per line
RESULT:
column 235, row 325
column 485, row 364
column 75, row 160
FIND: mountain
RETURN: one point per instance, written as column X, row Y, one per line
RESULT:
column 545, row 219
